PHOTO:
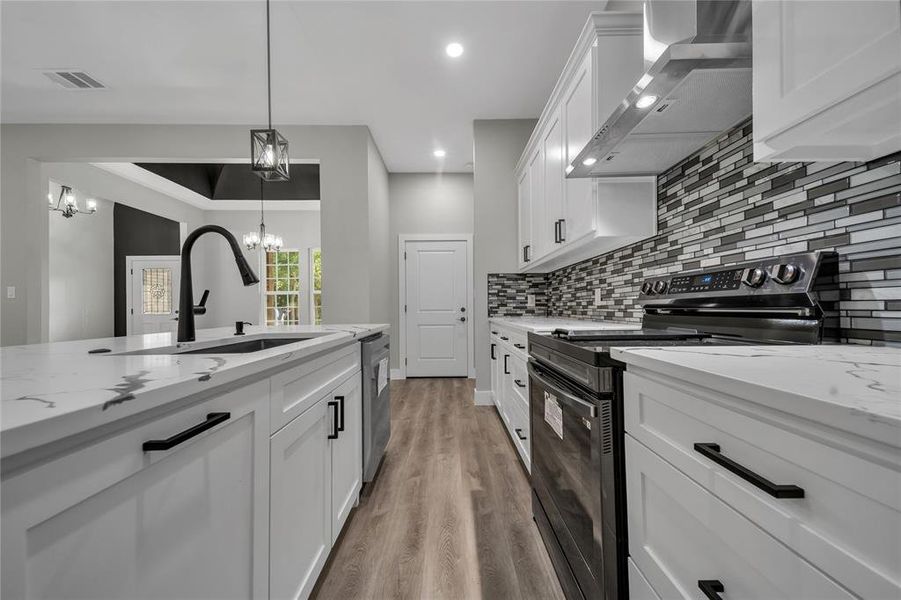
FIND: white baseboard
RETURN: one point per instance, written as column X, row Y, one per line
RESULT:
column 483, row 398
column 397, row 374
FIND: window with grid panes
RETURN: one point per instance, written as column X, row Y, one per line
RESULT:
column 316, row 285
column 283, row 287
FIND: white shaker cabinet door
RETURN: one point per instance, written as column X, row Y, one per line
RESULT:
column 578, row 127
column 347, row 451
column 827, row 79
column 524, row 218
column 301, row 496
column 553, row 227
column 111, row 520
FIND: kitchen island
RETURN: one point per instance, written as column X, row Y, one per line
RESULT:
column 138, row 467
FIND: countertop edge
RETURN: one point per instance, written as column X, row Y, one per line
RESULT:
column 865, row 424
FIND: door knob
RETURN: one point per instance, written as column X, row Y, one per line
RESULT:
column 462, row 319
column 462, row 309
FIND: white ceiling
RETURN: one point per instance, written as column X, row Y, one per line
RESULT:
column 380, row 64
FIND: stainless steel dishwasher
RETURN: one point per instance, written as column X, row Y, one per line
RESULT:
column 376, row 402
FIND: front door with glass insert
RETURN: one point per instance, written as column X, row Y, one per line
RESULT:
column 153, row 301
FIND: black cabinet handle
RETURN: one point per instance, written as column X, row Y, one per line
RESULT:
column 340, row 400
column 712, row 451
column 334, row 434
column 506, row 370
column 527, row 253
column 520, row 435
column 519, row 383
column 562, row 228
column 712, row 588
column 504, row 338
column 212, row 419
column 520, row 346
column 494, row 333
column 556, row 232
column 493, row 356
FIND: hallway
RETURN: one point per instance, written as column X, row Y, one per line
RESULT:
column 449, row 515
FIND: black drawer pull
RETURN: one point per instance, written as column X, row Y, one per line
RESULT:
column 520, row 346
column 334, row 434
column 493, row 333
column 519, row 383
column 340, row 400
column 520, row 435
column 506, row 368
column 212, row 419
column 504, row 338
column 712, row 451
column 712, row 588
column 493, row 356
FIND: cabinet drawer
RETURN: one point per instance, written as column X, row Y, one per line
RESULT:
column 521, row 434
column 639, row 588
column 519, row 381
column 681, row 534
column 295, row 390
column 109, row 520
column 847, row 523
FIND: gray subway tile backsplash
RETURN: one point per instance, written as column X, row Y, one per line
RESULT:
column 718, row 207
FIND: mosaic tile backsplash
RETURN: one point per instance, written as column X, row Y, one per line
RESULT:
column 719, row 207
column 507, row 295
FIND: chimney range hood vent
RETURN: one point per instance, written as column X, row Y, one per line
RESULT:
column 697, row 84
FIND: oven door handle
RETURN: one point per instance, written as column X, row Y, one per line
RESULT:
column 584, row 409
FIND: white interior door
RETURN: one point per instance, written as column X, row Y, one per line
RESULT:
column 153, row 299
column 437, row 293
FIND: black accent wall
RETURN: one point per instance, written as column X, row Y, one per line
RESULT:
column 137, row 233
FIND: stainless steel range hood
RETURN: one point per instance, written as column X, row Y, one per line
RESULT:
column 697, row 84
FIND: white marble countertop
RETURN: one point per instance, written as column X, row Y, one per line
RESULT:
column 852, row 388
column 49, row 391
column 549, row 324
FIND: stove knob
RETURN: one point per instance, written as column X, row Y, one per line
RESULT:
column 785, row 273
column 647, row 288
column 660, row 287
column 754, row 277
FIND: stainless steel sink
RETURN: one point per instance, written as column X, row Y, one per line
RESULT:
column 244, row 347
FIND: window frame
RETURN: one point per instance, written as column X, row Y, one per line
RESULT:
column 313, row 291
column 298, row 293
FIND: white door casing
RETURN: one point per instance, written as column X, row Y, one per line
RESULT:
column 435, row 306
column 158, row 312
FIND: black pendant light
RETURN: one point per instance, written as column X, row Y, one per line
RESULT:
column 269, row 148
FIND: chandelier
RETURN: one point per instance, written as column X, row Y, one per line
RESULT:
column 269, row 148
column 260, row 239
column 67, row 204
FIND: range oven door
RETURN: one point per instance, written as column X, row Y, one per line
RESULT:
column 566, row 473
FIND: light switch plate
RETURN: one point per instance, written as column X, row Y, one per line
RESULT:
column 598, row 299
column 11, row 292
column 530, row 300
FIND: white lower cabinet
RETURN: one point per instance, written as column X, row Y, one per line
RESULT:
column 317, row 469
column 682, row 538
column 109, row 520
column 347, row 451
column 510, row 387
column 301, row 499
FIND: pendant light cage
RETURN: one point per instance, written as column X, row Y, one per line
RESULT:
column 269, row 155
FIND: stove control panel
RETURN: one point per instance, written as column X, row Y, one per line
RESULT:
column 706, row 282
column 776, row 275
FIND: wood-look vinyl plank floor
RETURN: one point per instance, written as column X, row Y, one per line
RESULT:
column 449, row 515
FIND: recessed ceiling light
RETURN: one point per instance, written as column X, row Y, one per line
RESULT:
column 589, row 161
column 439, row 153
column 454, row 49
column 645, row 101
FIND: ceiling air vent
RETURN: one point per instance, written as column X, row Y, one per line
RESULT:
column 74, row 80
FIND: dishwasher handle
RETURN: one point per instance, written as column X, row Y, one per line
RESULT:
column 582, row 408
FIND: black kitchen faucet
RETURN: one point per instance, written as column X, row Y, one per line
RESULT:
column 186, row 298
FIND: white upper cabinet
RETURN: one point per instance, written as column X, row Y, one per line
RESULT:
column 562, row 221
column 827, row 79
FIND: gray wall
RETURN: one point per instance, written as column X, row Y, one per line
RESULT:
column 346, row 161
column 378, row 252
column 81, row 272
column 497, row 147
column 423, row 203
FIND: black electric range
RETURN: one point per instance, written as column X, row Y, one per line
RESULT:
column 576, row 395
